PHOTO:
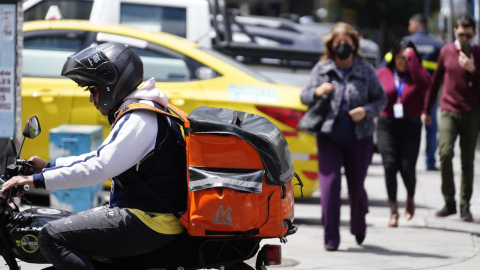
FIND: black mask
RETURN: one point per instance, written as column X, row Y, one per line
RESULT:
column 343, row 51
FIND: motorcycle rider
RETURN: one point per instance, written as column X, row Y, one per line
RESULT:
column 134, row 223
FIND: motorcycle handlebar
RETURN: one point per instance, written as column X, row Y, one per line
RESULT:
column 22, row 188
column 27, row 166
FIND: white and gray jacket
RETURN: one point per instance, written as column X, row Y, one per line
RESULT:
column 128, row 142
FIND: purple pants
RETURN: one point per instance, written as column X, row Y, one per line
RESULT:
column 355, row 156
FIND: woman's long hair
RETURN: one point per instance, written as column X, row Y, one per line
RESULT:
column 341, row 27
column 399, row 46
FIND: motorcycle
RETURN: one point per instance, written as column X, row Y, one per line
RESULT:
column 19, row 233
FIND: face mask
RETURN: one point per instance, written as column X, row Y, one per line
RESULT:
column 459, row 46
column 343, row 51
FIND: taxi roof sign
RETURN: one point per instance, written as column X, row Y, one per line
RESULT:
column 53, row 13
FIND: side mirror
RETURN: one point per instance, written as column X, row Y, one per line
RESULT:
column 32, row 128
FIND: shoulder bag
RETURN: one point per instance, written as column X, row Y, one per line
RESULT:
column 314, row 117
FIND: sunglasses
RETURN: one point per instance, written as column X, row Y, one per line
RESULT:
column 467, row 36
column 93, row 90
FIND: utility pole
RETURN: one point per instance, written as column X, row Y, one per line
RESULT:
column 426, row 8
column 476, row 14
column 11, row 44
column 450, row 21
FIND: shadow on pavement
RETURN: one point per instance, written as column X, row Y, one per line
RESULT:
column 371, row 202
column 450, row 229
column 318, row 222
column 383, row 251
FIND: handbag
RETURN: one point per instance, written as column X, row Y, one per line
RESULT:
column 313, row 119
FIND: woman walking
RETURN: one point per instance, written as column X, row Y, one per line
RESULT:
column 399, row 127
column 345, row 138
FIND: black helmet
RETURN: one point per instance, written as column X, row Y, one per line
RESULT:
column 114, row 68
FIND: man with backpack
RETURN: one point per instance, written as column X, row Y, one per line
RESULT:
column 142, row 145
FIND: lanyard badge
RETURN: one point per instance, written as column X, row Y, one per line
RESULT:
column 398, row 107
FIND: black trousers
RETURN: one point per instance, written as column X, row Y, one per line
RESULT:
column 399, row 143
column 102, row 232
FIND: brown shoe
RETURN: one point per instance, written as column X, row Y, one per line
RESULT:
column 393, row 214
column 409, row 208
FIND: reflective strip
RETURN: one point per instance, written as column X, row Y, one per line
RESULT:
column 430, row 65
column 225, row 182
column 303, row 156
column 388, row 57
column 287, row 175
column 300, row 156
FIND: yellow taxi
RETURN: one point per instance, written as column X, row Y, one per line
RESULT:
column 188, row 74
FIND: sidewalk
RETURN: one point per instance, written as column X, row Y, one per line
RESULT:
column 425, row 242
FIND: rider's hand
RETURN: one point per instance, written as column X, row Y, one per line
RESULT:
column 15, row 181
column 38, row 164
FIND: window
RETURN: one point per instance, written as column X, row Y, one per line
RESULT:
column 155, row 18
column 162, row 67
column 75, row 9
column 238, row 65
column 161, row 63
column 44, row 56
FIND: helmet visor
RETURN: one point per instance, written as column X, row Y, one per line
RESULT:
column 91, row 57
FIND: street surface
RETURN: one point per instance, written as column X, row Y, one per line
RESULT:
column 425, row 242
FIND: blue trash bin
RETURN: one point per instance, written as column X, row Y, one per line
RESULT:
column 74, row 140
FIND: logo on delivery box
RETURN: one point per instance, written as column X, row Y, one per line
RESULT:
column 223, row 217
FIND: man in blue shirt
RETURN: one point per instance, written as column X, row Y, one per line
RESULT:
column 429, row 48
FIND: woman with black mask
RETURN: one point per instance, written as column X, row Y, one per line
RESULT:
column 345, row 138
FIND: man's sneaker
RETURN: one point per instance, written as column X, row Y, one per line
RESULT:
column 447, row 210
column 465, row 214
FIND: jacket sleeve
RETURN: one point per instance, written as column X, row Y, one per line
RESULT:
column 377, row 100
column 432, row 92
column 132, row 138
column 308, row 93
column 61, row 161
column 419, row 74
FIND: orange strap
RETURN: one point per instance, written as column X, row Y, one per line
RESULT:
column 179, row 116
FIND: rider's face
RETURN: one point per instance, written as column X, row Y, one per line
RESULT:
column 94, row 94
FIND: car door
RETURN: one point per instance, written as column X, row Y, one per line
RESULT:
column 45, row 93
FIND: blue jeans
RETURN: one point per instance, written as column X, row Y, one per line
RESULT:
column 431, row 138
column 103, row 232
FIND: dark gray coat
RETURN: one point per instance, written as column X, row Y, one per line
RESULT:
column 364, row 90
